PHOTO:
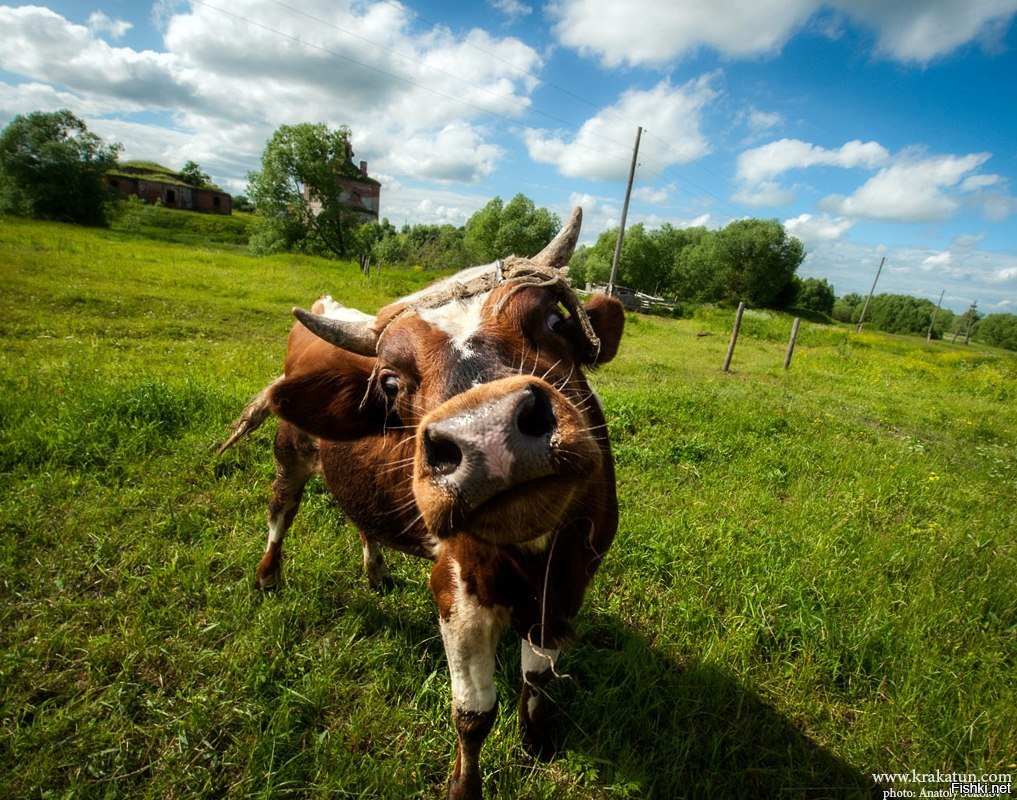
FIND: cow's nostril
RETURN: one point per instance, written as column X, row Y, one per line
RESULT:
column 442, row 454
column 535, row 416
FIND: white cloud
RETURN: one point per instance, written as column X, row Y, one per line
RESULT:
column 513, row 9
column 601, row 149
column 936, row 261
column 813, row 230
column 1004, row 275
column 774, row 159
column 921, row 32
column 910, row 190
column 358, row 65
column 100, row 23
column 654, row 195
column 762, row 121
column 455, row 153
column 647, row 32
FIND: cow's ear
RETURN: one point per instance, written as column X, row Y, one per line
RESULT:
column 327, row 398
column 607, row 316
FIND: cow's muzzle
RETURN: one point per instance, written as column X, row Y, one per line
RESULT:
column 493, row 457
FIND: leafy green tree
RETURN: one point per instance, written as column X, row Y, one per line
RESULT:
column 847, row 308
column 52, row 167
column 195, row 176
column 296, row 193
column 518, row 228
column 242, row 203
column 592, row 263
column 816, row 295
column 998, row 330
column 750, row 260
column 899, row 313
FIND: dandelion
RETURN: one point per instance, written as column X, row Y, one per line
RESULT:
column 933, row 478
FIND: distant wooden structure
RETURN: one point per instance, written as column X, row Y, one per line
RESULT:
column 633, row 300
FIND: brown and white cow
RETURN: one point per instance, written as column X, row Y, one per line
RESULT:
column 457, row 424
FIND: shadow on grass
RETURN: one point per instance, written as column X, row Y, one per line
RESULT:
column 685, row 730
column 638, row 724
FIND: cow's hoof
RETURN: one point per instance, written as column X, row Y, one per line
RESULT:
column 465, row 788
column 383, row 584
column 539, row 744
column 267, row 582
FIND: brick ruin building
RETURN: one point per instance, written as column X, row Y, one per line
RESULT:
column 157, row 188
column 358, row 191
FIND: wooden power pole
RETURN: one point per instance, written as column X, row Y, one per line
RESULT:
column 865, row 307
column 625, row 213
column 928, row 336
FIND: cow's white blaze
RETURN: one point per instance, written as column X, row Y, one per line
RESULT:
column 471, row 635
column 460, row 320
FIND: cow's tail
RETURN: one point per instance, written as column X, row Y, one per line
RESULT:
column 251, row 418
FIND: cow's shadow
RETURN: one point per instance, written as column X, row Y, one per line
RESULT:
column 652, row 727
column 686, row 730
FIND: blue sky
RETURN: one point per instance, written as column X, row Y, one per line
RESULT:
column 869, row 128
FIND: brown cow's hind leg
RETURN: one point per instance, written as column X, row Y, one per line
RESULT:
column 534, row 724
column 296, row 460
column 377, row 572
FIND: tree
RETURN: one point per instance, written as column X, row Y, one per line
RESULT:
column 52, row 167
column 519, row 228
column 242, row 203
column 195, row 176
column 998, row 330
column 847, row 308
column 816, row 295
column 751, row 260
column 297, row 194
column 899, row 313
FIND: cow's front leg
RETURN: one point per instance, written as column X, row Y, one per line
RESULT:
column 534, row 724
column 470, row 632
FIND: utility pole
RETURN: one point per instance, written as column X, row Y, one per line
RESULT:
column 865, row 307
column 928, row 336
column 625, row 213
column 971, row 320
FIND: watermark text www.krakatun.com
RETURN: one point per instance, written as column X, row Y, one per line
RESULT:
column 944, row 784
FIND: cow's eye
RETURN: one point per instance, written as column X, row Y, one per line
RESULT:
column 556, row 322
column 390, row 385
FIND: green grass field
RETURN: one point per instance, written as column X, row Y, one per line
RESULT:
column 815, row 577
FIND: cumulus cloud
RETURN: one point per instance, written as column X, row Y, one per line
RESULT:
column 100, row 23
column 921, row 32
column 813, row 230
column 646, row 32
column 910, row 190
column 650, row 194
column 774, row 159
column 512, row 9
column 456, row 153
column 361, row 65
column 601, row 150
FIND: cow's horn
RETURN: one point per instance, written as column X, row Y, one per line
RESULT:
column 357, row 337
column 559, row 251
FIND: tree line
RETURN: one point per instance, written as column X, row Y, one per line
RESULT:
column 52, row 167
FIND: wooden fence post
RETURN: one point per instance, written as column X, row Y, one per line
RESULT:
column 734, row 336
column 791, row 343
